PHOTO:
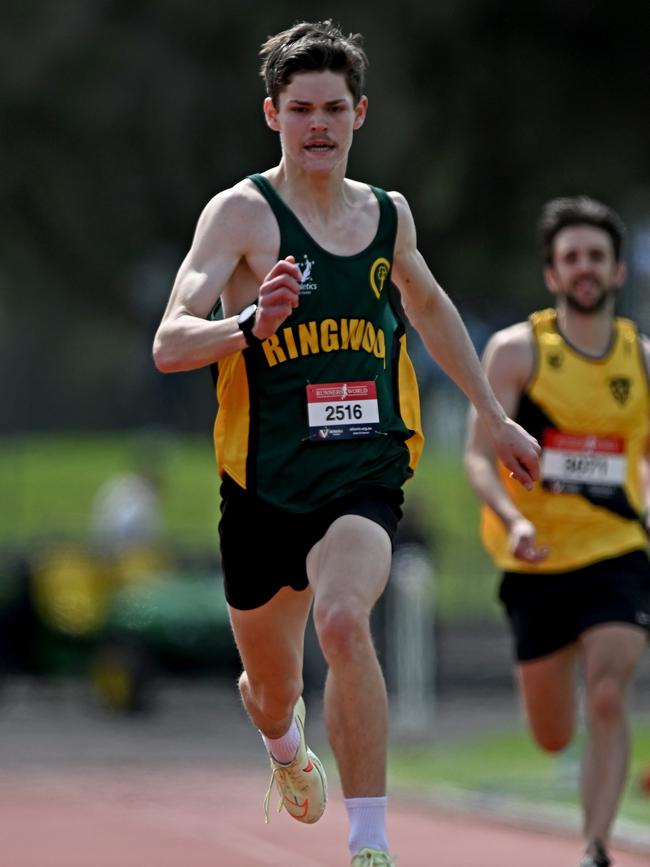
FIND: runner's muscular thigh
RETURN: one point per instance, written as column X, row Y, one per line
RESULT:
column 548, row 688
column 353, row 546
column 613, row 650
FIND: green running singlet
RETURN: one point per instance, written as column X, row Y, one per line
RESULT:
column 329, row 403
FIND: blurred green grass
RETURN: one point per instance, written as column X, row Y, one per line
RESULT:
column 440, row 499
column 49, row 482
column 47, row 485
column 507, row 764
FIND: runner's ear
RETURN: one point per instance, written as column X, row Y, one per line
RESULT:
column 270, row 114
column 360, row 111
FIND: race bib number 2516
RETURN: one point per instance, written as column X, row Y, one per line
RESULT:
column 342, row 410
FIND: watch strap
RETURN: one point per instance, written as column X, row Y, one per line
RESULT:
column 246, row 327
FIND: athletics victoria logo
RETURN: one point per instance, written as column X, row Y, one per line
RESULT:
column 307, row 285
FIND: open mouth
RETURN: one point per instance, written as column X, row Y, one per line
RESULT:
column 319, row 148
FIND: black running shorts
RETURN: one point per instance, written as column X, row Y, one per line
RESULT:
column 264, row 548
column 550, row 610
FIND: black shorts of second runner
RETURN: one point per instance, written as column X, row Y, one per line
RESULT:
column 550, row 610
column 264, row 548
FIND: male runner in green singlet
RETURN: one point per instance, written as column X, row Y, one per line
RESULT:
column 318, row 422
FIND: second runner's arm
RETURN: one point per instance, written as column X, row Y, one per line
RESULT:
column 434, row 316
column 508, row 362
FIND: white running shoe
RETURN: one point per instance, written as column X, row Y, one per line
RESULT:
column 302, row 783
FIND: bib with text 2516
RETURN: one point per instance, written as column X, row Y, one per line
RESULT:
column 582, row 463
column 342, row 410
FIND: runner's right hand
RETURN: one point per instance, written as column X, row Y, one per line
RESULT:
column 278, row 296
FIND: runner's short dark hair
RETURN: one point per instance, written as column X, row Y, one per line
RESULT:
column 578, row 211
column 313, row 47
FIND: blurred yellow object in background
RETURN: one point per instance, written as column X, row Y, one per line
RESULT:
column 71, row 590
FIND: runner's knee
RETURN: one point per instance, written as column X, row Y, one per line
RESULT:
column 552, row 733
column 605, row 700
column 553, row 740
column 273, row 699
column 341, row 631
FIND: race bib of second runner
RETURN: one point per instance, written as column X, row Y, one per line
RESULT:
column 342, row 410
column 582, row 464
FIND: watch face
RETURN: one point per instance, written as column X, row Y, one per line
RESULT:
column 247, row 313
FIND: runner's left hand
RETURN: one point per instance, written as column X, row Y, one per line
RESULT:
column 519, row 452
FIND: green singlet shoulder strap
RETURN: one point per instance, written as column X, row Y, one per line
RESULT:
column 277, row 205
column 387, row 209
column 387, row 214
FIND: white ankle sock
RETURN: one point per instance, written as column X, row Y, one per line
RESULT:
column 367, row 824
column 284, row 749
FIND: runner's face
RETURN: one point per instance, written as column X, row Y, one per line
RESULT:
column 584, row 272
column 316, row 118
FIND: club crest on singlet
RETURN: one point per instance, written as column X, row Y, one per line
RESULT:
column 378, row 273
column 620, row 388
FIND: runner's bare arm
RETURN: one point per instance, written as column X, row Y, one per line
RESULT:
column 441, row 328
column 186, row 339
column 508, row 361
column 645, row 461
column 223, row 241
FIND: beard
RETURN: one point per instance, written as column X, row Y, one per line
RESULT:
column 594, row 306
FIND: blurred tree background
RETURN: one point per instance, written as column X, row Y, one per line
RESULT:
column 119, row 120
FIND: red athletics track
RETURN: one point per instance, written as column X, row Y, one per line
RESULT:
column 204, row 818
